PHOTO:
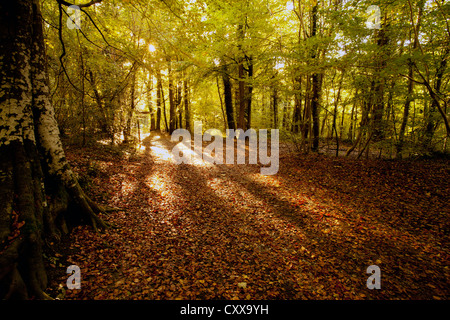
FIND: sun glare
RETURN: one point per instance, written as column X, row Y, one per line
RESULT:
column 289, row 5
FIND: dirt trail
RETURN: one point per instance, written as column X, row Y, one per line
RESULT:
column 205, row 231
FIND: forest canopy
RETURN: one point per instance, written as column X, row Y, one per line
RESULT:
column 369, row 76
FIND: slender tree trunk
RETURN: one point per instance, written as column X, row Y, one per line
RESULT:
column 248, row 112
column 228, row 96
column 285, row 115
column 150, row 105
column 406, row 108
column 172, row 110
column 178, row 108
column 162, row 98
column 379, row 83
column 353, row 116
column 315, row 86
column 242, row 100
column 298, row 122
column 241, row 80
column 129, row 119
column 315, row 111
column 187, row 112
column 296, row 119
column 221, row 105
column 275, row 105
column 158, row 99
column 37, row 185
column 82, row 94
column 307, row 115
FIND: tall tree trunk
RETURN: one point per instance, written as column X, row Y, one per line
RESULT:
column 315, row 79
column 82, row 94
column 37, row 184
column 275, row 105
column 353, row 117
column 225, row 127
column 315, row 111
column 307, row 114
column 241, row 80
column 158, row 99
column 187, row 112
column 297, row 121
column 162, row 98
column 172, row 107
column 296, row 115
column 379, row 82
column 150, row 105
column 285, row 116
column 242, row 100
column 248, row 112
column 129, row 119
column 228, row 97
column 178, row 108
column 406, row 108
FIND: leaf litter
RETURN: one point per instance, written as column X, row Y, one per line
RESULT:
column 227, row 232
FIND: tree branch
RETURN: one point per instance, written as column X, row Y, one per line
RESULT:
column 412, row 79
column 63, row 53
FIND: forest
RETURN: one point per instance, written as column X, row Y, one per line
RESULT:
column 93, row 92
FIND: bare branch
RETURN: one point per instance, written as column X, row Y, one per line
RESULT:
column 63, row 53
column 412, row 79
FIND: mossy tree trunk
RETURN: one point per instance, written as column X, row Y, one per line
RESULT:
column 37, row 185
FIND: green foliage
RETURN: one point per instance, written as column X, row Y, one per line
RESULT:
column 111, row 65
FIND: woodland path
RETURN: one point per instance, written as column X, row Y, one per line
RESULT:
column 206, row 231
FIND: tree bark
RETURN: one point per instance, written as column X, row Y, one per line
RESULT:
column 158, row 99
column 248, row 111
column 275, row 105
column 241, row 81
column 242, row 102
column 37, row 185
column 178, row 100
column 221, row 105
column 161, row 98
column 227, row 96
column 296, row 115
column 379, row 82
column 129, row 120
column 172, row 107
column 150, row 105
column 187, row 112
column 315, row 85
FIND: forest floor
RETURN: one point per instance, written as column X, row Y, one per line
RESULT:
column 205, row 231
